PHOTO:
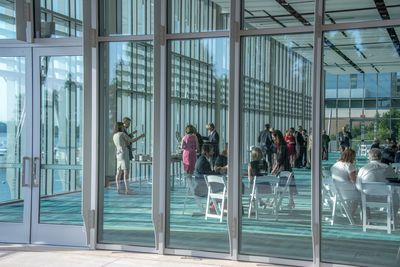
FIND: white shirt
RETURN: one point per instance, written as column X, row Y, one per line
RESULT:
column 341, row 171
column 341, row 176
column 375, row 171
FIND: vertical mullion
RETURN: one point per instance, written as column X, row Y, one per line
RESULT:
column 316, row 130
column 234, row 170
column 162, row 115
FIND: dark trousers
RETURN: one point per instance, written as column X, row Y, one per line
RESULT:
column 267, row 153
column 300, row 156
column 324, row 153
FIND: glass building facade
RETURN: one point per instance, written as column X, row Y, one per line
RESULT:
column 71, row 70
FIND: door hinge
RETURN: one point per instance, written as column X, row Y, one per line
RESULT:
column 93, row 38
column 92, row 218
column 160, row 222
column 232, row 228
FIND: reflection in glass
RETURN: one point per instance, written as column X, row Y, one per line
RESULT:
column 127, row 91
column 198, row 96
column 276, row 90
column 12, row 137
column 133, row 17
column 59, row 18
column 367, row 77
column 277, row 14
column 61, row 128
column 198, row 15
column 343, row 11
column 7, row 19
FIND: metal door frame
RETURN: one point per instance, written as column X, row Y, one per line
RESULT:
column 54, row 234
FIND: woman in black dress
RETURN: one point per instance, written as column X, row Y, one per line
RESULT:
column 283, row 163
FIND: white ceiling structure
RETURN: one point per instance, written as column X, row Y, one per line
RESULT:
column 353, row 51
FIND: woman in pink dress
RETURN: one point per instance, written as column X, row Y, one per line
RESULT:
column 189, row 146
column 291, row 145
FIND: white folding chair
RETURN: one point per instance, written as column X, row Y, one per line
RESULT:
column 263, row 187
column 194, row 184
column 283, row 187
column 329, row 196
column 340, row 201
column 377, row 195
column 217, row 194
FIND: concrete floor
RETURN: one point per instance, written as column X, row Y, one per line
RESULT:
column 45, row 256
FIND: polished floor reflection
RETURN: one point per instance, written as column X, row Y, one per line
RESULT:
column 128, row 221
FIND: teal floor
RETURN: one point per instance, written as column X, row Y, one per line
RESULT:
column 126, row 219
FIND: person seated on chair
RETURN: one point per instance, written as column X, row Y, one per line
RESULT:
column 389, row 154
column 344, row 175
column 257, row 166
column 203, row 167
column 221, row 163
column 376, row 143
column 204, row 162
column 376, row 171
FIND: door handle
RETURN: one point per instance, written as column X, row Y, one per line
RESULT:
column 35, row 173
column 24, row 159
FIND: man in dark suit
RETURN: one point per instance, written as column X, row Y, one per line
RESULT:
column 212, row 138
column 203, row 167
column 300, row 147
column 265, row 143
column 204, row 162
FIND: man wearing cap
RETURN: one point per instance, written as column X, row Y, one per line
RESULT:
column 212, row 138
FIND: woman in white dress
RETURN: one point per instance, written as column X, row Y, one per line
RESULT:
column 121, row 141
column 344, row 175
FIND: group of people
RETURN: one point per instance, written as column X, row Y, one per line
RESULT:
column 278, row 157
column 124, row 152
column 200, row 154
column 390, row 150
column 298, row 144
column 348, row 180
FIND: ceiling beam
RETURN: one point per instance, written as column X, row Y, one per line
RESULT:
column 384, row 13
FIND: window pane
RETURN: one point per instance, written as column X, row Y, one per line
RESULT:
column 7, row 19
column 126, row 17
column 274, row 212
column 198, row 15
column 59, row 18
column 342, row 11
column 277, row 14
column 13, row 136
column 198, row 95
column 127, row 92
column 61, row 114
column 362, row 68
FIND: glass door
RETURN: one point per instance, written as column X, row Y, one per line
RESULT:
column 15, row 145
column 57, row 147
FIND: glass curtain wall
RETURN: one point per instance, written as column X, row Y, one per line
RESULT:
column 7, row 19
column 127, row 98
column 361, row 91
column 361, row 87
column 134, row 17
column 187, row 16
column 276, row 91
column 58, row 19
column 277, row 14
column 198, row 90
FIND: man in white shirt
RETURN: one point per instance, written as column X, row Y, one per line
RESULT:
column 376, row 171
